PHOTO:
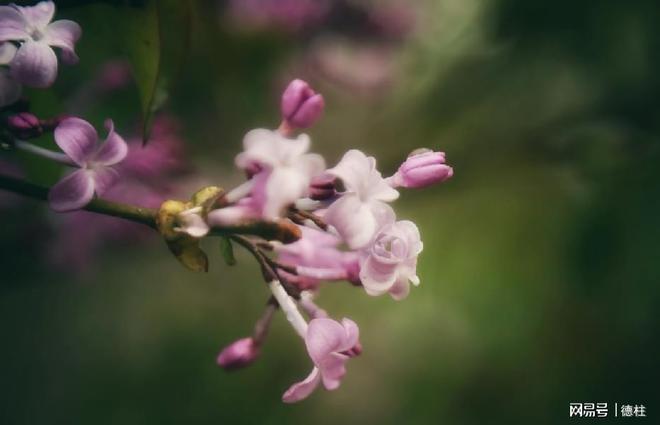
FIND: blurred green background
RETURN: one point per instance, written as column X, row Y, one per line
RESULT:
column 541, row 269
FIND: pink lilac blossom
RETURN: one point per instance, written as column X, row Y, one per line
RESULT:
column 361, row 209
column 327, row 344
column 285, row 172
column 35, row 63
column 389, row 264
column 422, row 169
column 149, row 177
column 79, row 141
column 317, row 257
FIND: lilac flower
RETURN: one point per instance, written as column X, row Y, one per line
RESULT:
column 327, row 343
column 390, row 262
column 150, row 175
column 422, row 169
column 78, row 139
column 10, row 89
column 361, row 210
column 285, row 171
column 317, row 257
column 238, row 354
column 301, row 106
column 35, row 63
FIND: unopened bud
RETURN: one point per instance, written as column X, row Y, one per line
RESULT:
column 301, row 106
column 238, row 354
column 421, row 169
column 323, row 187
column 24, row 125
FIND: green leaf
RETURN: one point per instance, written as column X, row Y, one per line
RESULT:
column 227, row 251
column 156, row 41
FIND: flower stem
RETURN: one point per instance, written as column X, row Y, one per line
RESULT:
column 44, row 153
column 146, row 216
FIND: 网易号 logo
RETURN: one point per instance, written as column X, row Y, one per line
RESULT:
column 602, row 410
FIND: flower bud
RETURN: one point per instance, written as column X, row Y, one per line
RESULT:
column 322, row 187
column 301, row 106
column 238, row 354
column 422, row 169
column 24, row 125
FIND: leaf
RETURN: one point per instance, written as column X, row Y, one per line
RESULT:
column 227, row 251
column 156, row 39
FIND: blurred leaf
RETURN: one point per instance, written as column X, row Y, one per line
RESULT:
column 227, row 251
column 156, row 41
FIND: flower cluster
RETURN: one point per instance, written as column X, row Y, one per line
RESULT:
column 349, row 231
column 27, row 39
column 308, row 223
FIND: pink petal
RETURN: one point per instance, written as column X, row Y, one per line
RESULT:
column 77, row 138
column 73, row 192
column 283, row 187
column 113, row 150
column 39, row 15
column 269, row 149
column 400, row 289
column 377, row 277
column 354, row 220
column 411, row 234
column 353, row 169
column 12, row 24
column 193, row 224
column 64, row 34
column 382, row 191
column 332, row 370
column 324, row 336
column 35, row 64
column 301, row 390
column 352, row 334
column 104, row 178
column 230, row 216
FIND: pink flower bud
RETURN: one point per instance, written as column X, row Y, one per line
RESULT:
column 24, row 125
column 238, row 354
column 322, row 187
column 301, row 106
column 422, row 169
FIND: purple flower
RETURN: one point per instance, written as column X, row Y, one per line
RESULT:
column 389, row 264
column 361, row 210
column 327, row 343
column 10, row 89
column 301, row 106
column 35, row 63
column 421, row 170
column 238, row 354
column 78, row 139
column 285, row 172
